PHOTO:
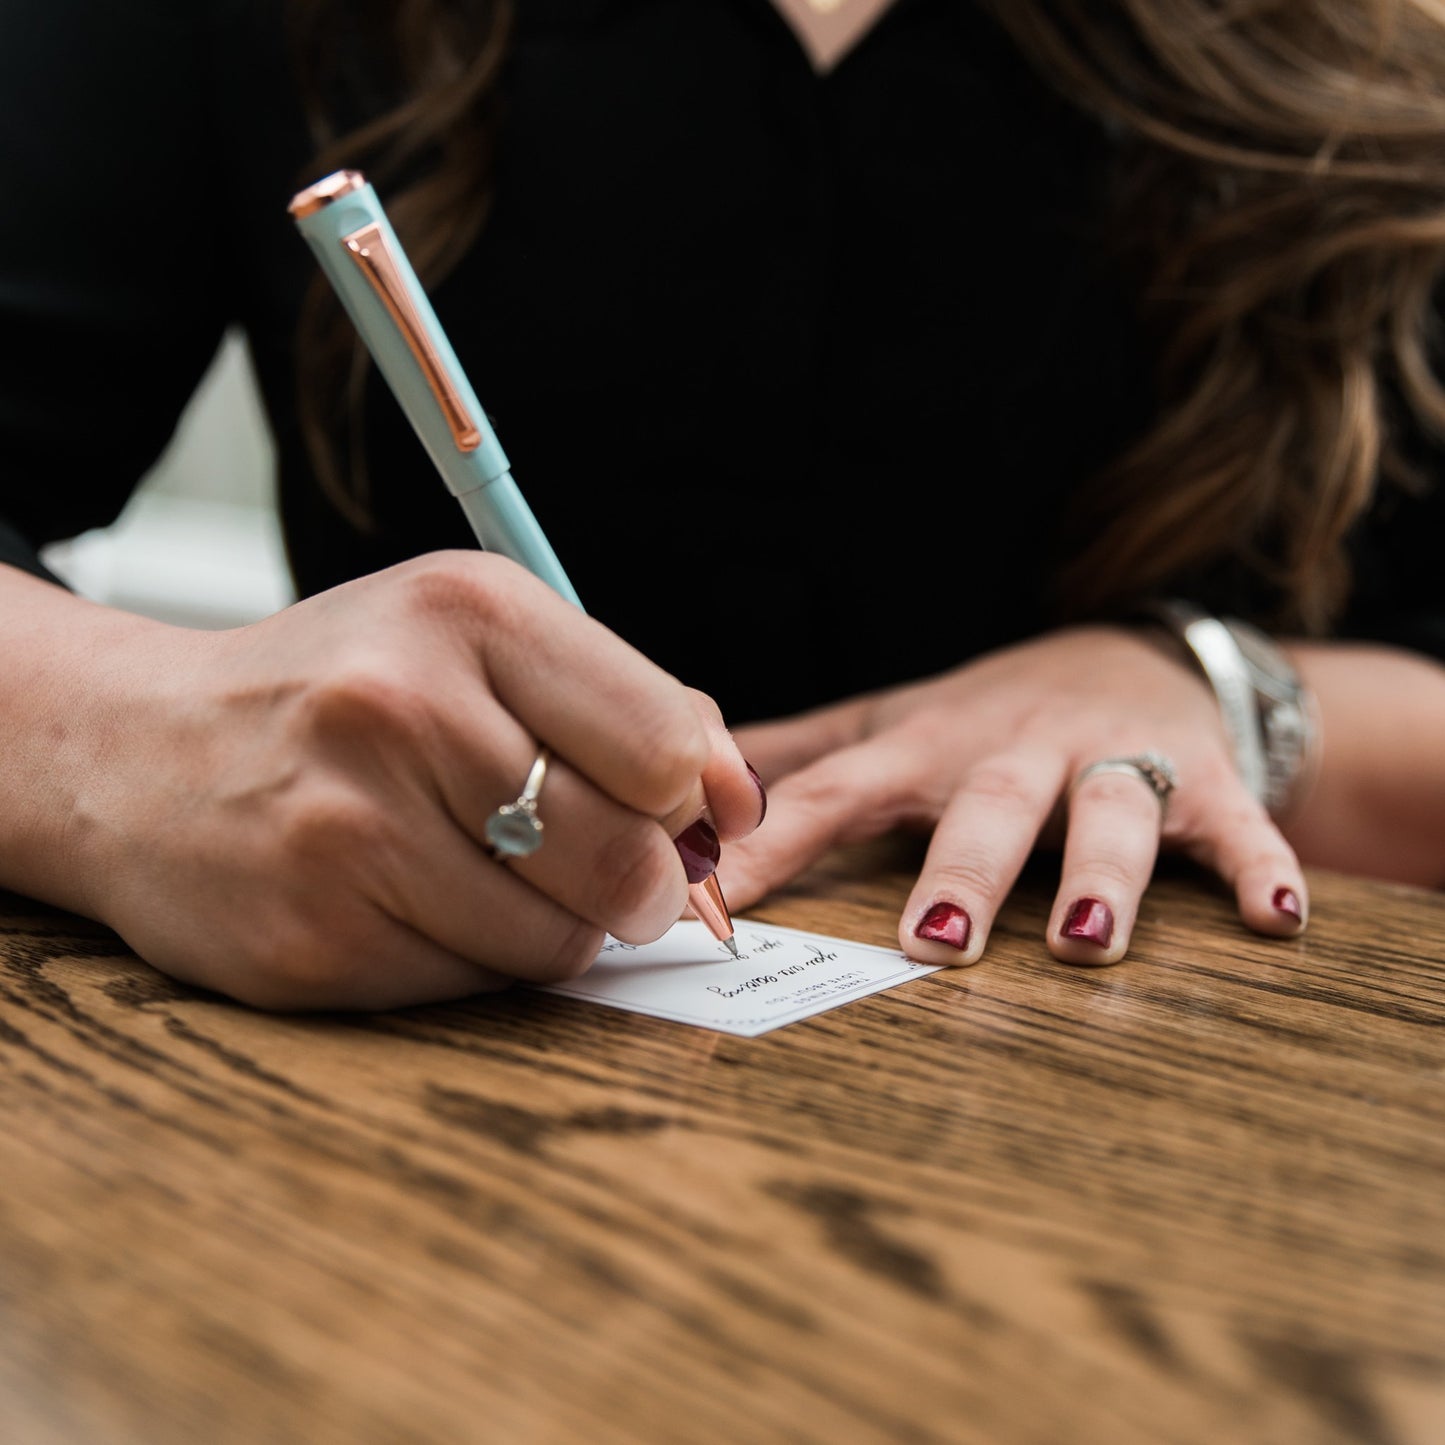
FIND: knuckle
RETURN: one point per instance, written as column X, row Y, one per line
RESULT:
column 1214, row 769
column 633, row 870
column 971, row 875
column 827, row 806
column 1120, row 791
column 572, row 954
column 1260, row 861
column 1116, row 873
column 810, row 792
column 1221, row 812
column 328, row 822
column 931, row 726
column 447, row 584
column 1214, row 777
column 1005, row 780
column 705, row 704
column 674, row 746
column 471, row 594
column 364, row 696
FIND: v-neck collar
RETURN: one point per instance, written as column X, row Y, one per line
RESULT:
column 828, row 29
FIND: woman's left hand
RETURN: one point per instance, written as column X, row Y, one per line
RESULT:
column 984, row 757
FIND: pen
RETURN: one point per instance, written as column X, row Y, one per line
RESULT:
column 342, row 220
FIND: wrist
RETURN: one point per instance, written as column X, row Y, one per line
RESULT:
column 1269, row 715
column 60, row 716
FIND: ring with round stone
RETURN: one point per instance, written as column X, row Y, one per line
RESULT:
column 1156, row 771
column 515, row 830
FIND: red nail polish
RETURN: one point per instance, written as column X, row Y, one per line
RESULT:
column 1090, row 920
column 945, row 923
column 699, row 849
column 762, row 791
column 1286, row 901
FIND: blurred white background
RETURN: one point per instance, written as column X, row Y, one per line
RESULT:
column 199, row 543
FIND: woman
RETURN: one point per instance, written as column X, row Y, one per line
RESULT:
column 881, row 400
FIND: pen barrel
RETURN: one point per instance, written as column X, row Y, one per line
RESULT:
column 498, row 511
column 326, row 231
column 359, row 253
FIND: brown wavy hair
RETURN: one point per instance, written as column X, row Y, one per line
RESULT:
column 1282, row 200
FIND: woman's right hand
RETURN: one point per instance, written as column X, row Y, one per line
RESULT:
column 292, row 812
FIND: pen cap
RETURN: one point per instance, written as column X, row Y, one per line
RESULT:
column 343, row 222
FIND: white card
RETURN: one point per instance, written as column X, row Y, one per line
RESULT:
column 781, row 975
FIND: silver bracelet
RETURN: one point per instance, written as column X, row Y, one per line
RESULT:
column 1269, row 715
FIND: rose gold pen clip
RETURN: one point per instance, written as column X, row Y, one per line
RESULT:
column 368, row 246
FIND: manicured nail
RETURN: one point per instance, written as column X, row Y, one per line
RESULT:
column 945, row 923
column 699, row 849
column 1090, row 920
column 1286, row 901
column 762, row 791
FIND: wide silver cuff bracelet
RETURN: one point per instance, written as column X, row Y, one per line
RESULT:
column 1268, row 713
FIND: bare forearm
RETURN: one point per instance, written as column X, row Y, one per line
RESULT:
column 59, row 652
column 1377, row 805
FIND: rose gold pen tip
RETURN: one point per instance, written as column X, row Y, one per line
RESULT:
column 707, row 903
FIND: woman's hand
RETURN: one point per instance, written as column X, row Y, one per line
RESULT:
column 293, row 812
column 984, row 757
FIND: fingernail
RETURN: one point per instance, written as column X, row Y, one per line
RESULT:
column 762, row 791
column 699, row 849
column 1091, row 920
column 1286, row 901
column 945, row 923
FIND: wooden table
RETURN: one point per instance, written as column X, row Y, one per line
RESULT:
column 1197, row 1197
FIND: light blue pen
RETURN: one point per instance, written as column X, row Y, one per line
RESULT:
column 344, row 224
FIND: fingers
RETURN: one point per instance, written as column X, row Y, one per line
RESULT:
column 600, row 862
column 610, row 717
column 541, row 917
column 1249, row 852
column 628, row 745
column 302, row 956
column 729, row 795
column 570, row 682
column 736, row 799
column 987, row 833
column 1112, row 839
column 1109, row 853
column 981, row 843
column 791, row 744
column 984, row 755
column 854, row 793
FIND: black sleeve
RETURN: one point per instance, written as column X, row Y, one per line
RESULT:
column 1400, row 576
column 110, row 307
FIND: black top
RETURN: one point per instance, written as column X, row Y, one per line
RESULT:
column 796, row 372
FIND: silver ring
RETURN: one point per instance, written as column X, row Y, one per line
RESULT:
column 515, row 830
column 1154, row 770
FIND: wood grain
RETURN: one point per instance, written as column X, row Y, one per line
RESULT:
column 1197, row 1197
